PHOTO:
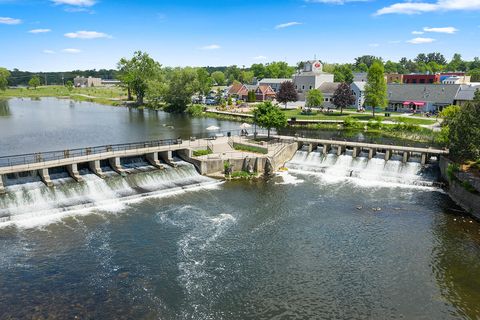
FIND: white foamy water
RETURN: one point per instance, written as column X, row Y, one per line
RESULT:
column 360, row 170
column 32, row 204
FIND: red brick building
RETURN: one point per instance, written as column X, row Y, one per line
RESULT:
column 421, row 78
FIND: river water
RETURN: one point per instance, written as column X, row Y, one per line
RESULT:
column 332, row 238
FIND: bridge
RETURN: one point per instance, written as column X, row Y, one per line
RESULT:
column 160, row 153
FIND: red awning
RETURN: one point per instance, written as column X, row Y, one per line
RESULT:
column 417, row 103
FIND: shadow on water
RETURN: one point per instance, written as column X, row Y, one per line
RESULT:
column 4, row 109
column 455, row 261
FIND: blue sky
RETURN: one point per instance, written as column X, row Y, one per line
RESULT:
column 59, row 35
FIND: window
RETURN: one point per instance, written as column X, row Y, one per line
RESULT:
column 310, row 87
column 303, row 87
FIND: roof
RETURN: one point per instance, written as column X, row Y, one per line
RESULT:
column 466, row 92
column 436, row 93
column 274, row 80
column 266, row 89
column 360, row 85
column 328, row 87
column 235, row 88
column 251, row 87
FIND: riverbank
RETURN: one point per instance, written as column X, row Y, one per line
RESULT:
column 112, row 96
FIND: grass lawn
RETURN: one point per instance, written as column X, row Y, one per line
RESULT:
column 336, row 115
column 105, row 95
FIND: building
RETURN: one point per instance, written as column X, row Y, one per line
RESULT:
column 82, row 82
column 110, row 82
column 264, row 92
column 420, row 98
column 328, row 89
column 421, row 78
column 394, row 78
column 465, row 94
column 238, row 90
column 273, row 83
column 311, row 77
column 358, row 90
column 456, row 80
column 360, row 76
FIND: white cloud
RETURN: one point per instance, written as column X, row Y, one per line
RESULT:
column 49, row 51
column 418, row 32
column 421, row 40
column 423, row 7
column 374, row 45
column 71, row 50
column 288, row 24
column 8, row 20
column 39, row 31
column 79, row 3
column 449, row 30
column 210, row 47
column 86, row 35
column 260, row 58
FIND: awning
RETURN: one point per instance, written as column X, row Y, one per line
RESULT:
column 417, row 103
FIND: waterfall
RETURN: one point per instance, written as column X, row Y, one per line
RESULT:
column 31, row 202
column 361, row 170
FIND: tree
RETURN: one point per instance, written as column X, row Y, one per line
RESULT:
column 343, row 73
column 376, row 87
column 247, row 77
column 464, row 132
column 314, row 98
column 34, row 82
column 391, row 67
column 218, row 77
column 367, row 60
column 269, row 116
column 343, row 96
column 258, row 70
column 4, row 75
column 137, row 72
column 278, row 70
column 69, row 85
column 287, row 93
column 204, row 82
column 251, row 96
column 475, row 74
column 180, row 89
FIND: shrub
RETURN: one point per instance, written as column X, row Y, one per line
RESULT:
column 350, row 122
column 195, row 110
column 452, row 169
column 199, row 153
column 248, row 148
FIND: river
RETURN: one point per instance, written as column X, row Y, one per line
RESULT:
column 332, row 238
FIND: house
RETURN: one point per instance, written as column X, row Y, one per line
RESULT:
column 311, row 77
column 82, row 82
column 358, row 90
column 465, row 94
column 274, row 83
column 110, row 82
column 420, row 98
column 238, row 90
column 328, row 89
column 264, row 92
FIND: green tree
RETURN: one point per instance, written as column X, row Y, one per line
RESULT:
column 269, row 116
column 367, row 60
column 343, row 73
column 343, row 96
column 391, row 67
column 258, row 70
column 69, row 85
column 362, row 67
column 218, row 77
column 137, row 72
column 314, row 98
column 180, row 89
column 203, row 82
column 475, row 75
column 247, row 77
column 287, row 93
column 251, row 96
column 4, row 75
column 278, row 70
column 376, row 87
column 34, row 82
column 464, row 132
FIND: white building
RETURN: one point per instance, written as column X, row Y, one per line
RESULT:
column 311, row 77
column 358, row 90
column 457, row 80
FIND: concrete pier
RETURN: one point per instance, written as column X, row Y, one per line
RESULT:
column 116, row 166
column 73, row 171
column 424, row 159
column 45, row 176
column 356, row 152
column 388, row 155
column 152, row 158
column 372, row 152
column 167, row 157
column 96, row 168
column 326, row 148
column 406, row 156
column 340, row 150
column 2, row 188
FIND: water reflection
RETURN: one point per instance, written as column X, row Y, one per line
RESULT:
column 455, row 262
column 4, row 109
